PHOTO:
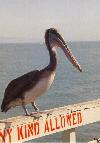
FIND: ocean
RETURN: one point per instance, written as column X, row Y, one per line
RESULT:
column 69, row 87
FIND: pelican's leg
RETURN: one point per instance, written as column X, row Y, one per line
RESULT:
column 26, row 111
column 34, row 106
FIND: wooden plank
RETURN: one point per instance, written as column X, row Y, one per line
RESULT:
column 24, row 128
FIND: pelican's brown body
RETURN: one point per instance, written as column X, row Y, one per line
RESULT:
column 25, row 89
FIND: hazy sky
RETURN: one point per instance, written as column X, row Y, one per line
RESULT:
column 26, row 20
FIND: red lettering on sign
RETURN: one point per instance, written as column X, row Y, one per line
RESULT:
column 30, row 129
column 33, row 129
column 36, row 128
column 68, row 117
column 2, row 135
column 6, row 133
column 79, row 115
column 74, row 118
column 46, row 127
column 25, row 131
column 20, row 133
column 63, row 121
column 51, row 126
column 57, row 126
column 9, row 133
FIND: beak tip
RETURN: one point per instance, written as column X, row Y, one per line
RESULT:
column 79, row 67
column 80, row 70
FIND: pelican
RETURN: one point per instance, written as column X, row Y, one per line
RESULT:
column 26, row 88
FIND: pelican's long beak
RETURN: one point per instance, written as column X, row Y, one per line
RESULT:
column 71, row 57
column 58, row 41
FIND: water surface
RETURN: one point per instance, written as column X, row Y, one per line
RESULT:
column 69, row 87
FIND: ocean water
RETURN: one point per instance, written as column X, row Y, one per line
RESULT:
column 69, row 87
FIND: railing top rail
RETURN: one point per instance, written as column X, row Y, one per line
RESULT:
column 23, row 128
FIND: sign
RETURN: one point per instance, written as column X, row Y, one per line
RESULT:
column 40, row 127
column 24, row 128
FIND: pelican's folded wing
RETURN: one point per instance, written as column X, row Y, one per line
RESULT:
column 17, row 87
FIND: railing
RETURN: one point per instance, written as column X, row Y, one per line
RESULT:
column 66, row 119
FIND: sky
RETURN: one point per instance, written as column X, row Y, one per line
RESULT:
column 27, row 20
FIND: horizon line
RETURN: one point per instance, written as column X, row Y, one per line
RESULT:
column 24, row 42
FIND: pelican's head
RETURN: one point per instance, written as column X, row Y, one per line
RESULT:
column 56, row 40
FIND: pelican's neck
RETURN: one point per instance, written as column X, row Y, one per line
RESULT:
column 53, row 57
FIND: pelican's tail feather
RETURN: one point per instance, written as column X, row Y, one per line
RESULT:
column 4, row 107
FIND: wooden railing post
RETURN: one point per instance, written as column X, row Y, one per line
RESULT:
column 69, row 136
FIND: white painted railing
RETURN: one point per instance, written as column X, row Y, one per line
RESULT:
column 66, row 119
